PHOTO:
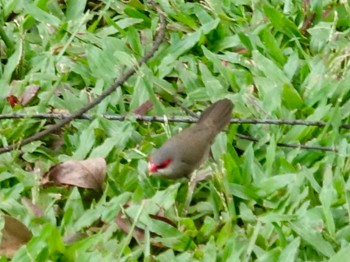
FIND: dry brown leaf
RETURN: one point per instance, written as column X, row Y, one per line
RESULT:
column 142, row 109
column 124, row 224
column 37, row 211
column 14, row 235
column 25, row 98
column 84, row 173
column 59, row 111
column 163, row 219
column 29, row 93
column 74, row 237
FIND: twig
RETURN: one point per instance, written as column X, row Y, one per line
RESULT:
column 188, row 111
column 121, row 80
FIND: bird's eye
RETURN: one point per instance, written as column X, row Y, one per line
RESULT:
column 164, row 164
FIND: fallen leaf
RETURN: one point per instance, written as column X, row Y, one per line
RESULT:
column 25, row 98
column 74, row 237
column 163, row 219
column 14, row 235
column 124, row 224
column 142, row 109
column 241, row 50
column 85, row 173
column 59, row 111
column 37, row 211
column 29, row 93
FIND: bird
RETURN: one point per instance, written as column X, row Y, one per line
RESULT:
column 183, row 153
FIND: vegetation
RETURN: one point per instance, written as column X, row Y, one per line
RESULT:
column 286, row 60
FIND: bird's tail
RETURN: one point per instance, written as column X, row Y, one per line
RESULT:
column 218, row 115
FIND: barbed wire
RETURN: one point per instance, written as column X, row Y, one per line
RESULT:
column 188, row 119
column 175, row 119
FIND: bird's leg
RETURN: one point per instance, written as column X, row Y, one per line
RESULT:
column 197, row 176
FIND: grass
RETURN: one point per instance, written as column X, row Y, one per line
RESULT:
column 273, row 59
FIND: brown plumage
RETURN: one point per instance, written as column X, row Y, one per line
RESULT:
column 186, row 151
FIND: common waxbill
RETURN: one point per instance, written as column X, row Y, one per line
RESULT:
column 183, row 153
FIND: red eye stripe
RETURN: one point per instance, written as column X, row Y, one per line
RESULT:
column 164, row 164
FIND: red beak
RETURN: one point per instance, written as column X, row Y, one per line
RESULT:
column 152, row 168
